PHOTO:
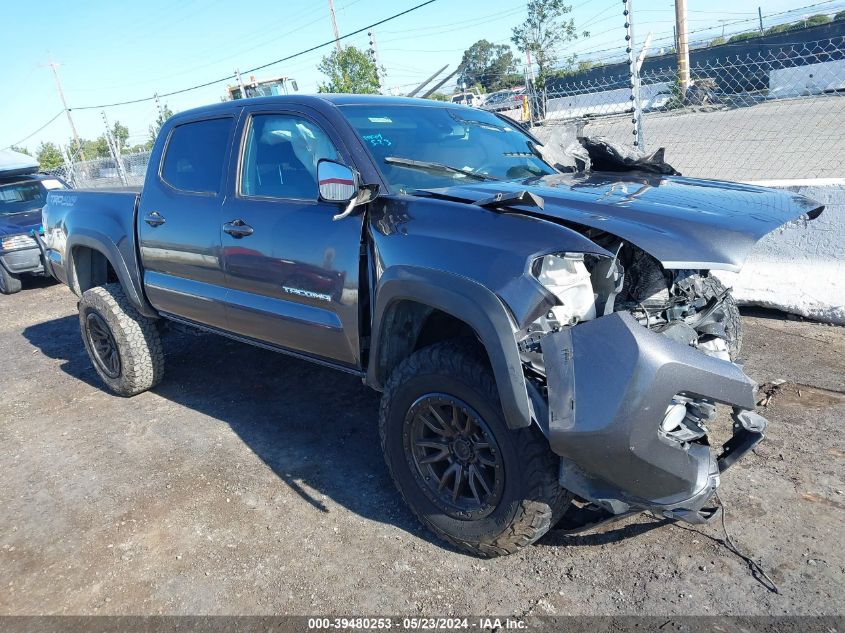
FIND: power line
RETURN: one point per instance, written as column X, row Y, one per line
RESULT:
column 262, row 66
column 26, row 138
column 500, row 14
column 666, row 36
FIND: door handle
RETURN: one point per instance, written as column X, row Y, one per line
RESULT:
column 237, row 228
column 154, row 218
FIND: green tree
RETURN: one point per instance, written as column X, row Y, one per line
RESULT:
column 49, row 156
column 163, row 115
column 20, row 150
column 487, row 64
column 98, row 148
column 350, row 71
column 741, row 37
column 544, row 33
column 437, row 96
column 120, row 134
column 815, row 20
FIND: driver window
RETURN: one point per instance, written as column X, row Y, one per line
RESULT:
column 281, row 155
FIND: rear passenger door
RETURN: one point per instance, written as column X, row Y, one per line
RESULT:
column 179, row 222
column 292, row 271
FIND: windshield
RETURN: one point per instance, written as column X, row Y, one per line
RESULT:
column 19, row 197
column 469, row 141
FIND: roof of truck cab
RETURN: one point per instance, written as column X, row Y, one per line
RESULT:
column 317, row 101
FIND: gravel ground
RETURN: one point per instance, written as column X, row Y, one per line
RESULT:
column 252, row 483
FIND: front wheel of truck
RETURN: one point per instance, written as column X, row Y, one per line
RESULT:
column 123, row 345
column 471, row 480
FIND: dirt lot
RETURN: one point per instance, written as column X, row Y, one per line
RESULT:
column 248, row 482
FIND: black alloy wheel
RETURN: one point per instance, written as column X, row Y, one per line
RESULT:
column 102, row 343
column 454, row 455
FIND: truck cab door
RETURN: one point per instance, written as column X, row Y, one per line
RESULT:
column 179, row 222
column 292, row 272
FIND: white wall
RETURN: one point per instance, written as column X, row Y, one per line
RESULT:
column 812, row 79
column 800, row 268
column 617, row 101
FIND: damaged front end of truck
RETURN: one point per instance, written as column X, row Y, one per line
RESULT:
column 633, row 349
column 627, row 369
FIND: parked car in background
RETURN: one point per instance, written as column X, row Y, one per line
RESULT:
column 22, row 194
column 502, row 100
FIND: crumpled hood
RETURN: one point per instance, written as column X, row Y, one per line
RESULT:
column 682, row 222
column 20, row 222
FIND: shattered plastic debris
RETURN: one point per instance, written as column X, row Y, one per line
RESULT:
column 604, row 155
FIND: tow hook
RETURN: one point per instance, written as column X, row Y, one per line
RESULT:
column 749, row 429
column 702, row 516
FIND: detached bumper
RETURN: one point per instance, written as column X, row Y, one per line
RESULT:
column 610, row 381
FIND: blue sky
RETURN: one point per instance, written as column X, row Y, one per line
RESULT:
column 115, row 51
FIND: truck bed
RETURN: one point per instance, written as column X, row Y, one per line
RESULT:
column 78, row 220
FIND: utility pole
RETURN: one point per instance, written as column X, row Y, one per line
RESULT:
column 683, row 45
column 760, row 16
column 55, row 67
column 334, row 26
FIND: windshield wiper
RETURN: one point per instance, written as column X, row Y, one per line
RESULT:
column 436, row 167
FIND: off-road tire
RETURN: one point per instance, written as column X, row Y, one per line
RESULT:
column 9, row 282
column 531, row 497
column 136, row 338
column 733, row 320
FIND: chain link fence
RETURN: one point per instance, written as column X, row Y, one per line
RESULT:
column 105, row 172
column 761, row 115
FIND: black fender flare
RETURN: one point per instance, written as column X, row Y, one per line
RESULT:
column 130, row 282
column 472, row 303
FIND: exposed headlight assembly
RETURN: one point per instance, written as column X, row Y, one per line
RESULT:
column 566, row 276
column 584, row 285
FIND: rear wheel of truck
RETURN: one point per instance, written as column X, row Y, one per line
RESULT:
column 474, row 482
column 124, row 345
column 9, row 282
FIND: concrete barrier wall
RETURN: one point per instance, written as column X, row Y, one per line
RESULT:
column 800, row 268
column 603, row 102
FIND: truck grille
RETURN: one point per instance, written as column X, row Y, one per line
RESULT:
column 16, row 242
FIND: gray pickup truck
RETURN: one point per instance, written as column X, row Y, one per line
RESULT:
column 550, row 346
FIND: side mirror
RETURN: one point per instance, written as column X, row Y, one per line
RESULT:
column 338, row 183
